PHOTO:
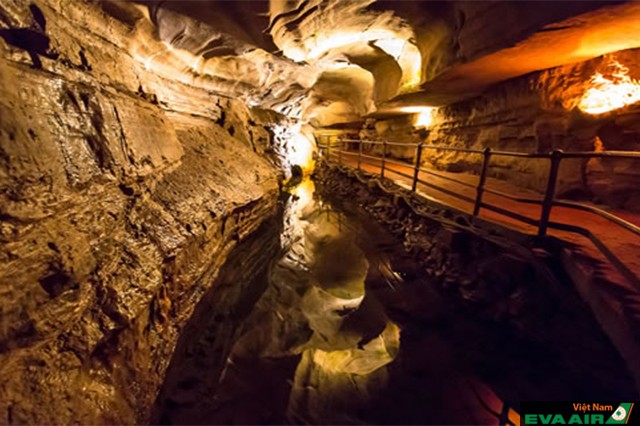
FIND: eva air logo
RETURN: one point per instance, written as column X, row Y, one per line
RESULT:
column 621, row 414
column 578, row 413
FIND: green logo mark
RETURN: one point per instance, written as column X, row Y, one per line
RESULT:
column 621, row 414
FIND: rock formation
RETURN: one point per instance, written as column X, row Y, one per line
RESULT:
column 141, row 142
column 121, row 196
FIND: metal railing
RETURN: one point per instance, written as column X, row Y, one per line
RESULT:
column 547, row 202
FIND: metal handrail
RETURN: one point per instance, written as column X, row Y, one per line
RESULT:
column 631, row 155
column 399, row 163
column 359, row 141
column 399, row 173
column 579, row 154
column 547, row 202
column 399, row 143
column 372, row 157
column 572, row 154
column 560, row 203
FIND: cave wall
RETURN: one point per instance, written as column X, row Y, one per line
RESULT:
column 535, row 113
column 455, row 32
column 121, row 194
column 202, row 356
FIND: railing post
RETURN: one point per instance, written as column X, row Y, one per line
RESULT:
column 340, row 152
column 486, row 157
column 359, row 154
column 329, row 149
column 547, row 203
column 416, row 169
column 384, row 156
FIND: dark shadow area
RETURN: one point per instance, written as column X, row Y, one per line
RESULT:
column 201, row 353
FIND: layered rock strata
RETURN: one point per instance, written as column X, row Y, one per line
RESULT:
column 537, row 113
column 121, row 194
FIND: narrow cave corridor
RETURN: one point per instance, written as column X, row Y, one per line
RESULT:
column 319, row 212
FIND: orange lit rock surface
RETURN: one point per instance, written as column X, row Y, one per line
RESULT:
column 120, row 195
column 536, row 114
column 591, row 34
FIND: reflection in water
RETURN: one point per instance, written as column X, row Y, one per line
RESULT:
column 351, row 330
column 314, row 314
column 319, row 346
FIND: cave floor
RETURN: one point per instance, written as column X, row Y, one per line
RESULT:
column 350, row 331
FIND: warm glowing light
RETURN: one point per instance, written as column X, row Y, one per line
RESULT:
column 176, row 55
column 408, row 57
column 304, row 191
column 149, row 60
column 607, row 94
column 333, row 40
column 404, row 52
column 415, row 109
column 377, row 353
column 392, row 46
column 294, row 144
column 423, row 115
column 301, row 152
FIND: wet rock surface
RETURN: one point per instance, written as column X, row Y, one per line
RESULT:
column 200, row 357
column 140, row 142
column 374, row 314
column 312, row 313
column 120, row 196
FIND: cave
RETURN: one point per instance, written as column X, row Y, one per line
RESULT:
column 319, row 212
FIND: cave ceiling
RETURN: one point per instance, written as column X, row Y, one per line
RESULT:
column 336, row 61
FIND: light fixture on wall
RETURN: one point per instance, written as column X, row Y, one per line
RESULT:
column 423, row 114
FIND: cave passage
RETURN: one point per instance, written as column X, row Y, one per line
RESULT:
column 350, row 331
column 317, row 211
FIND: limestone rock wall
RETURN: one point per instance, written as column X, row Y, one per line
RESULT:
column 121, row 194
column 201, row 360
column 536, row 113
